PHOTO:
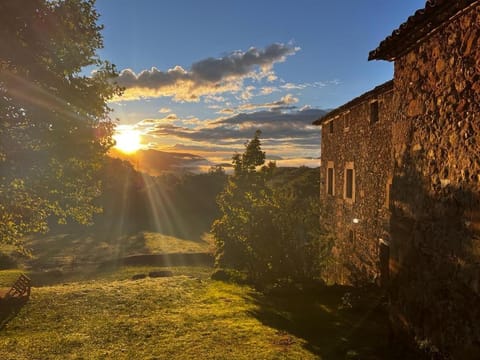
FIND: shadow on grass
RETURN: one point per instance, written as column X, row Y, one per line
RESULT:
column 64, row 249
column 163, row 260
column 336, row 322
column 9, row 308
column 72, row 251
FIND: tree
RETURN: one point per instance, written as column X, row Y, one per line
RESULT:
column 268, row 226
column 54, row 122
column 253, row 156
column 304, row 243
column 242, row 195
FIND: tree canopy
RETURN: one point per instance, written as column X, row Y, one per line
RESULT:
column 54, row 119
column 269, row 224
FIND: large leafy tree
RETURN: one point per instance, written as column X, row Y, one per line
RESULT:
column 242, row 205
column 54, row 123
column 269, row 224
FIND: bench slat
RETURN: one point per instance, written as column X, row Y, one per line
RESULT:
column 20, row 287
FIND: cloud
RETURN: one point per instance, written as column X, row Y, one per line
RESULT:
column 210, row 76
column 267, row 90
column 286, row 100
column 316, row 84
column 285, row 103
column 296, row 162
column 240, row 63
column 247, row 93
column 164, row 110
column 172, row 117
column 287, row 137
column 227, row 111
column 271, row 77
column 192, row 120
column 279, row 129
column 291, row 86
column 214, row 98
column 149, row 121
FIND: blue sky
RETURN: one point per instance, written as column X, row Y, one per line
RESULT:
column 225, row 68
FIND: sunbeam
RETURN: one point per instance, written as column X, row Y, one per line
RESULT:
column 166, row 219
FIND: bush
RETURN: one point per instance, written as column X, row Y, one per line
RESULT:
column 7, row 262
column 229, row 275
column 160, row 273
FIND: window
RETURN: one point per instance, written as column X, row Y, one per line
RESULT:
column 330, row 127
column 351, row 236
column 387, row 193
column 330, row 179
column 374, row 112
column 349, row 186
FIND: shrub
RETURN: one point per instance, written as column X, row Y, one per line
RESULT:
column 7, row 262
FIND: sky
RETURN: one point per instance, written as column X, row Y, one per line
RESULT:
column 201, row 76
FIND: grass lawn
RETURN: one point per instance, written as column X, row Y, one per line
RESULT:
column 186, row 316
column 87, row 310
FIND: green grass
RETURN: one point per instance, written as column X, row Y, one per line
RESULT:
column 156, row 243
column 187, row 316
column 87, row 311
column 165, row 318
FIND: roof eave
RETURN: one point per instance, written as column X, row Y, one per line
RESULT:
column 418, row 27
column 380, row 89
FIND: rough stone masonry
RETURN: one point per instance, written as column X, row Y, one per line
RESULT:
column 413, row 149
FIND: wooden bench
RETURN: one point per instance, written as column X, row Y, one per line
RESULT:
column 14, row 299
column 20, row 289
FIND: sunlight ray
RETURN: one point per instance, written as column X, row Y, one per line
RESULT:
column 35, row 95
column 166, row 219
column 116, row 231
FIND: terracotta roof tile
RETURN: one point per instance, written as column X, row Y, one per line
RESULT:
column 417, row 26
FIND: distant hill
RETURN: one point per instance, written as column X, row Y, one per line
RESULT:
column 154, row 162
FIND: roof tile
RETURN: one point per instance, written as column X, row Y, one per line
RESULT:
column 425, row 20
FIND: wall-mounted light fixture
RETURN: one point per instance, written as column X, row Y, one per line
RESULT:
column 356, row 221
column 385, row 242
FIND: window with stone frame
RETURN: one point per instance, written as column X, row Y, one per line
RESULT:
column 351, row 236
column 349, row 182
column 330, row 178
column 388, row 190
column 330, row 127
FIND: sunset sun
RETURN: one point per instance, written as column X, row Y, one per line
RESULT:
column 127, row 141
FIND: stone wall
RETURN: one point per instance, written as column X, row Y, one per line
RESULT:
column 368, row 146
column 435, row 224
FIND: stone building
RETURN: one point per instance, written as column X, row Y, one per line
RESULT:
column 427, row 175
column 357, row 170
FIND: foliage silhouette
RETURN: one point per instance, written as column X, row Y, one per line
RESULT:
column 269, row 225
column 55, row 128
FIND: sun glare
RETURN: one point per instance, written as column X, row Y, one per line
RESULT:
column 128, row 141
